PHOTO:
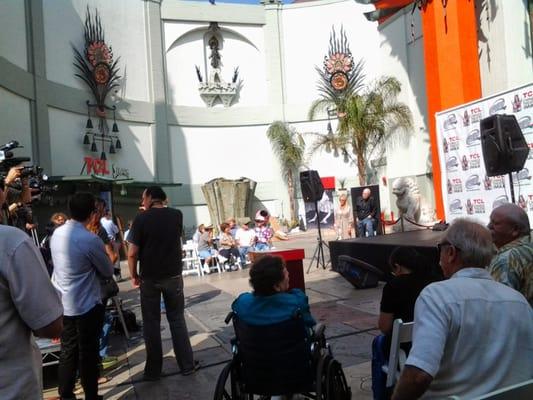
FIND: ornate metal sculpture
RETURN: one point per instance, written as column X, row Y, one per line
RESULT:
column 216, row 87
column 339, row 75
column 98, row 70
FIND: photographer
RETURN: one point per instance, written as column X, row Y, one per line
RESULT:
column 17, row 192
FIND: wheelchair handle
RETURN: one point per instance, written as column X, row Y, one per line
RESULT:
column 229, row 317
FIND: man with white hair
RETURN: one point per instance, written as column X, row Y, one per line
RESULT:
column 472, row 335
column 513, row 263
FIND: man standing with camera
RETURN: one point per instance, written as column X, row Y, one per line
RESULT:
column 28, row 303
column 155, row 241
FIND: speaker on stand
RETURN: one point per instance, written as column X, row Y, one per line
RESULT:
column 504, row 147
column 312, row 191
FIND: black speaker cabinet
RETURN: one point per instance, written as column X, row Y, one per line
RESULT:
column 504, row 147
column 311, row 185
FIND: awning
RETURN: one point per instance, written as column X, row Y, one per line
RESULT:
column 105, row 179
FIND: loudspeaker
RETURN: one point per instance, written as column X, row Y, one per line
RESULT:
column 504, row 148
column 311, row 185
column 359, row 273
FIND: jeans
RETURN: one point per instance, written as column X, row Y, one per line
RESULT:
column 379, row 378
column 79, row 349
column 365, row 226
column 243, row 251
column 172, row 291
column 104, row 333
column 262, row 246
column 228, row 252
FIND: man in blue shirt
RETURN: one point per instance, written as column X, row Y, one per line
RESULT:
column 79, row 258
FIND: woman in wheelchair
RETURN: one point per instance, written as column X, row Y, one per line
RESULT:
column 411, row 273
column 274, row 352
column 271, row 301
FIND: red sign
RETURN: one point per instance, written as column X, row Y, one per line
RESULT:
column 94, row 166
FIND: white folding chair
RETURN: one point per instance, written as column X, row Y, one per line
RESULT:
column 402, row 332
column 191, row 261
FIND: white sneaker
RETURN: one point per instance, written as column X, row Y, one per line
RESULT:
column 206, row 270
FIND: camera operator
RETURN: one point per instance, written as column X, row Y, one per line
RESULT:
column 17, row 195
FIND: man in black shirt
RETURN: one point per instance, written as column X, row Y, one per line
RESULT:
column 155, row 242
column 365, row 207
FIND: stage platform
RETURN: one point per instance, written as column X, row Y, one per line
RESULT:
column 376, row 250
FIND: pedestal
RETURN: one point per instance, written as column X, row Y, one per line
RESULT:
column 294, row 261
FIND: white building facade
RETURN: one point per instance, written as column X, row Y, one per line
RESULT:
column 168, row 132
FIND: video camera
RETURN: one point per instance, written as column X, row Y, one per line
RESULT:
column 7, row 161
column 38, row 181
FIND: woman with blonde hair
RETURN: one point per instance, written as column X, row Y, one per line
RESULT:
column 343, row 218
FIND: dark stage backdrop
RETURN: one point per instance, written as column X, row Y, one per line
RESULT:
column 357, row 192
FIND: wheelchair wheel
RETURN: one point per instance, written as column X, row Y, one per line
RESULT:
column 227, row 387
column 321, row 376
column 336, row 386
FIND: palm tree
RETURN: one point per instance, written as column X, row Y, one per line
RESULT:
column 289, row 147
column 367, row 120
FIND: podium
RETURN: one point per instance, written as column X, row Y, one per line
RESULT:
column 294, row 261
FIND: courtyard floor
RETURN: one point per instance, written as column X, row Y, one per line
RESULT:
column 349, row 314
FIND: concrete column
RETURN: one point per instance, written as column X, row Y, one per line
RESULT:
column 274, row 58
column 157, row 82
column 37, row 66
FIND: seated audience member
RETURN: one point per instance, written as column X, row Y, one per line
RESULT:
column 198, row 233
column 205, row 246
column 411, row 275
column 263, row 232
column 232, row 226
column 245, row 238
column 271, row 301
column 513, row 263
column 472, row 335
column 228, row 245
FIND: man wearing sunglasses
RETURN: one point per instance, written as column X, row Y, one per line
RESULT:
column 472, row 335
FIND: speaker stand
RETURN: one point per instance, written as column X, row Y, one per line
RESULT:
column 513, row 200
column 318, row 254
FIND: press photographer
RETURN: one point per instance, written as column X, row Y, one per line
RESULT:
column 15, row 181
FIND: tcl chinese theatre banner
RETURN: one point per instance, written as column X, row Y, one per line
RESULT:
column 467, row 190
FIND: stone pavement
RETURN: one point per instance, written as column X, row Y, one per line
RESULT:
column 349, row 314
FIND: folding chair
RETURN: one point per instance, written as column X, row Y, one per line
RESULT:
column 191, row 261
column 402, row 332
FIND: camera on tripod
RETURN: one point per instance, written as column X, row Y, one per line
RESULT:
column 7, row 159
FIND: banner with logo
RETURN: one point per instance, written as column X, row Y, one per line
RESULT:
column 467, row 190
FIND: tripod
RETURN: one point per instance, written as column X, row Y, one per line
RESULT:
column 318, row 255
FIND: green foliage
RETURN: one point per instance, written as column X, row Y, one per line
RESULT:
column 288, row 145
column 367, row 120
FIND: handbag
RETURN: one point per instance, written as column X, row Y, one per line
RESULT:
column 108, row 288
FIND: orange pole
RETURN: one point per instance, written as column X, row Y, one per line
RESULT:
column 451, row 65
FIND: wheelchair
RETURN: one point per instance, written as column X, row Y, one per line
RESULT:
column 280, row 360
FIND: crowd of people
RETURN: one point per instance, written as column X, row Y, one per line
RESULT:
column 234, row 243
column 473, row 326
